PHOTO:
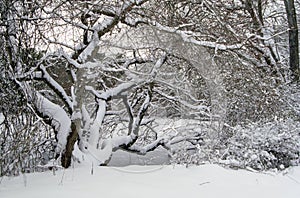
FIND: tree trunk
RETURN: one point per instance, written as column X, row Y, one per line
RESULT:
column 293, row 38
column 66, row 157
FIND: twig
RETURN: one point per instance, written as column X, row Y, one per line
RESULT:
column 203, row 183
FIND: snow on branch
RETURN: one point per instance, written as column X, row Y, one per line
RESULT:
column 58, row 117
column 129, row 111
column 128, row 143
column 57, row 88
column 69, row 59
column 135, row 122
column 109, row 145
column 142, row 150
column 103, row 26
column 96, row 125
column 164, row 142
column 141, row 113
column 102, row 98
column 183, row 102
column 189, row 39
column 115, row 92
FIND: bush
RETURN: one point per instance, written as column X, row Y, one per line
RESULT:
column 26, row 144
column 270, row 146
column 274, row 145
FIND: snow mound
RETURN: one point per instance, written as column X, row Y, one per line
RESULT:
column 153, row 181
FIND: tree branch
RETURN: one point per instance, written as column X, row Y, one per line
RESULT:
column 57, row 88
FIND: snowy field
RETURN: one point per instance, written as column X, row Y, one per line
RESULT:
column 153, row 181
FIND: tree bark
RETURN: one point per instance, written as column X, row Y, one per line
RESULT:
column 293, row 38
column 66, row 157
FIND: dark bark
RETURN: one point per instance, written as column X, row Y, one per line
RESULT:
column 256, row 13
column 260, row 12
column 66, row 157
column 256, row 21
column 293, row 38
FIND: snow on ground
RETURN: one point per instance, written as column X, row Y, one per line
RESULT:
column 153, row 181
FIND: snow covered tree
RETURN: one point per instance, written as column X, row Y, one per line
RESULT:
column 100, row 72
column 106, row 73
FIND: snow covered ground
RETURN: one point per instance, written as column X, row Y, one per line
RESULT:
column 153, row 181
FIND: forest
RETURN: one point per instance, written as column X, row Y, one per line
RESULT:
column 86, row 78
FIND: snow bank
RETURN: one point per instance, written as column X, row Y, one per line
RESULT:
column 153, row 181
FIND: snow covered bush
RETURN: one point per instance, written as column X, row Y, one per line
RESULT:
column 269, row 146
column 291, row 101
column 273, row 145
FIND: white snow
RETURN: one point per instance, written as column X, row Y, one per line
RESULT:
column 189, row 39
column 95, row 128
column 2, row 118
column 59, row 118
column 118, row 90
column 153, row 181
column 119, row 140
column 100, row 156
